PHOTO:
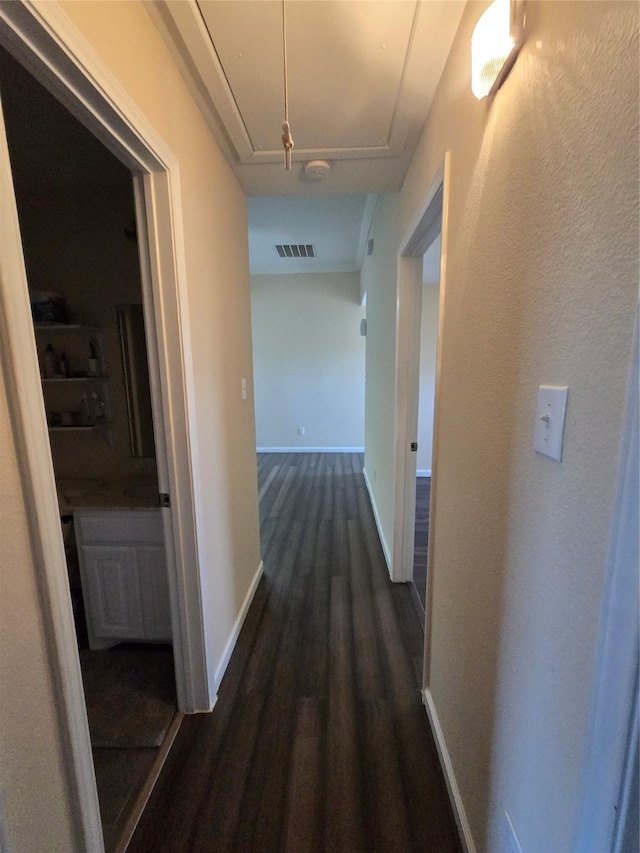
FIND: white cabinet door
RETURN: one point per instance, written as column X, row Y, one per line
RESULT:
column 154, row 592
column 112, row 597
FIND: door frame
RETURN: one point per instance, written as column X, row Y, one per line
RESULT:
column 612, row 738
column 43, row 40
column 416, row 240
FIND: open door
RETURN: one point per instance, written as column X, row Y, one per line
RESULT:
column 420, row 236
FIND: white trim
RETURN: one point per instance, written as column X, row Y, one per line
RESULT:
column 310, row 449
column 237, row 626
column 147, row 216
column 449, row 776
column 614, row 692
column 423, row 472
column 365, row 227
column 165, row 231
column 445, row 172
column 381, row 536
column 408, row 332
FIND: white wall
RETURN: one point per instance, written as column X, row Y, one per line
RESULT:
column 541, row 287
column 308, row 359
column 380, row 282
column 428, row 341
column 217, row 274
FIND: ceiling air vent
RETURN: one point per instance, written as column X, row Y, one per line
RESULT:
column 301, row 250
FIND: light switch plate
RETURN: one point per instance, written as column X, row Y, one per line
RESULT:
column 550, row 414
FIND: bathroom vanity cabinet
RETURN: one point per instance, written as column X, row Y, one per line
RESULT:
column 124, row 576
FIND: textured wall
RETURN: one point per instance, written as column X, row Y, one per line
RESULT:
column 308, row 360
column 541, row 287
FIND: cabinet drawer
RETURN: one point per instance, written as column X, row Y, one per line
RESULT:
column 143, row 527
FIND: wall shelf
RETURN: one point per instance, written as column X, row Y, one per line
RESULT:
column 79, row 427
column 65, row 327
column 64, row 379
column 63, row 393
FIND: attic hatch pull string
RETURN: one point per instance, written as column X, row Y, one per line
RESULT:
column 287, row 139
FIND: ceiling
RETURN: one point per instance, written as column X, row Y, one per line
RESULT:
column 337, row 226
column 361, row 75
column 336, row 223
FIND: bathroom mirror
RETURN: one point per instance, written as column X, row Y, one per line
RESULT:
column 133, row 346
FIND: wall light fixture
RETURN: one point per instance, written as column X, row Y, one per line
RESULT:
column 496, row 40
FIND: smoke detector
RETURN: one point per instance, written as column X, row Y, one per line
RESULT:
column 317, row 170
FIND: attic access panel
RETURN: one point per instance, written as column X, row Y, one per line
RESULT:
column 346, row 66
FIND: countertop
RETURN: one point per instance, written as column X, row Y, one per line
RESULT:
column 125, row 493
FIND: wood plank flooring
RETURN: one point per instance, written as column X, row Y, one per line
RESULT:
column 421, row 538
column 319, row 740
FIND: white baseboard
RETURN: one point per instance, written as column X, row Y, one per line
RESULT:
column 237, row 626
column 449, row 776
column 310, row 449
column 423, row 472
column 381, row 536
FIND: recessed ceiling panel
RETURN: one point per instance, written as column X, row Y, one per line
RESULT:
column 362, row 74
column 345, row 68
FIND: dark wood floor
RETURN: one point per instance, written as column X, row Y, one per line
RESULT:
column 319, row 740
column 421, row 538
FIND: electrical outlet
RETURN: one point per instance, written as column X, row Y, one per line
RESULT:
column 300, row 430
column 511, row 840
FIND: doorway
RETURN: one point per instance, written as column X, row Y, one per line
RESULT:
column 426, row 400
column 422, row 233
column 41, row 42
column 76, row 209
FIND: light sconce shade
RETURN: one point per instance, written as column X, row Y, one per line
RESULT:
column 495, row 43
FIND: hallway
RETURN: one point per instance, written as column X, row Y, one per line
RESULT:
column 318, row 740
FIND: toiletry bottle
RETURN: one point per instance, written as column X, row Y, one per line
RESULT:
column 96, row 407
column 65, row 371
column 94, row 362
column 50, row 362
column 85, row 410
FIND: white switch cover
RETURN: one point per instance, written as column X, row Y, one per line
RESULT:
column 550, row 412
column 243, row 388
